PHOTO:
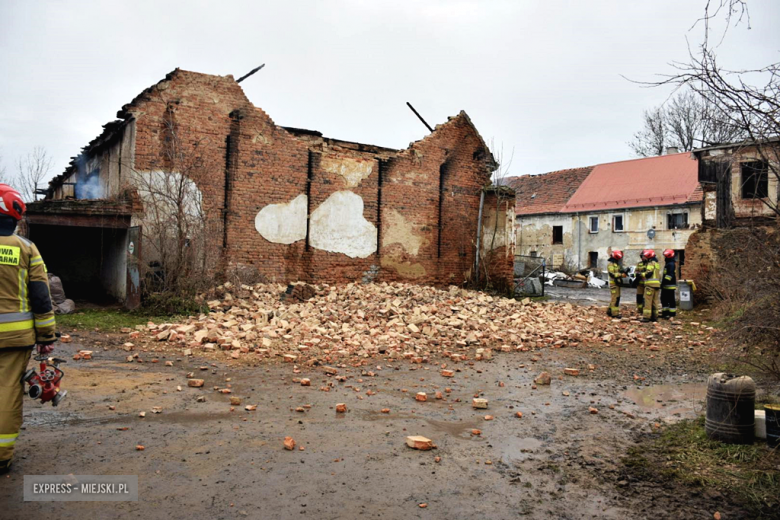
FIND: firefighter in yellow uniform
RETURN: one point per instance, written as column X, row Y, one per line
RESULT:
column 640, row 282
column 26, row 317
column 616, row 275
column 669, row 286
column 652, row 287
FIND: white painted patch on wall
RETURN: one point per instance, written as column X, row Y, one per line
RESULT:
column 351, row 170
column 283, row 223
column 338, row 226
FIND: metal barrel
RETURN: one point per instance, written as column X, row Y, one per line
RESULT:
column 686, row 295
column 730, row 408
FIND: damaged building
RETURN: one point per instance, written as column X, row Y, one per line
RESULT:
column 287, row 204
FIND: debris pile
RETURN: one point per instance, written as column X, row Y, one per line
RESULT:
column 391, row 320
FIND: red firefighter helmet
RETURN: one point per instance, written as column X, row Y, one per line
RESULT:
column 617, row 254
column 648, row 254
column 11, row 203
column 668, row 253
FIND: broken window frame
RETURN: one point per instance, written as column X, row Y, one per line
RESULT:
column 557, row 230
column 754, row 180
column 677, row 220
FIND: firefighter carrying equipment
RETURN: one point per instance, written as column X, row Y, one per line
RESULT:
column 652, row 302
column 26, row 318
column 669, row 288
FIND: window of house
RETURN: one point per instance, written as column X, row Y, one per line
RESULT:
column 557, row 234
column 617, row 223
column 593, row 259
column 593, row 224
column 533, row 254
column 755, row 180
column 677, row 220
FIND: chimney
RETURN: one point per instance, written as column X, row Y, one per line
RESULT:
column 672, row 149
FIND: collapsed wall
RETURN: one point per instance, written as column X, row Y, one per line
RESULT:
column 290, row 204
column 294, row 205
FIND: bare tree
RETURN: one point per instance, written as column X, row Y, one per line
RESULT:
column 749, row 101
column 652, row 139
column 746, row 100
column 177, row 230
column 686, row 121
column 32, row 173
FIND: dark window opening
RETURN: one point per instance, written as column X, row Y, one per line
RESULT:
column 593, row 259
column 593, row 224
column 617, row 223
column 755, row 180
column 533, row 254
column 557, row 234
column 442, row 178
column 677, row 221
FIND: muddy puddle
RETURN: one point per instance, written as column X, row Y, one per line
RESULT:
column 519, row 448
column 681, row 398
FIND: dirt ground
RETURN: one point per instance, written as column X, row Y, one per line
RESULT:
column 558, row 461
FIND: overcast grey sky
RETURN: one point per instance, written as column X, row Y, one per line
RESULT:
column 543, row 78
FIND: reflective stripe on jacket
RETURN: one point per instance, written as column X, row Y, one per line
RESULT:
column 670, row 275
column 653, row 274
column 615, row 276
column 26, row 314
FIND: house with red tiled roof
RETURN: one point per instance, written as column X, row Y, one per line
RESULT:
column 574, row 218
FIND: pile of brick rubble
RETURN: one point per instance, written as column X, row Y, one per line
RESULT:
column 395, row 320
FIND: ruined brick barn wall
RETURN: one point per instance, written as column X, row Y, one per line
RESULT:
column 699, row 256
column 314, row 210
column 197, row 108
column 498, row 240
column 268, row 172
column 431, row 206
column 370, row 216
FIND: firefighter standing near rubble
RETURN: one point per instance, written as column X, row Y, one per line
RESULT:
column 26, row 317
column 616, row 275
column 639, row 271
column 669, row 286
column 652, row 287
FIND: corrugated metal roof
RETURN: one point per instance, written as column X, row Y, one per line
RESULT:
column 651, row 181
column 548, row 192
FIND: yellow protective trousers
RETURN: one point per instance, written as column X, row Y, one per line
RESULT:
column 652, row 303
column 614, row 302
column 13, row 363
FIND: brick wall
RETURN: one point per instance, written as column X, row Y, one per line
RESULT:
column 699, row 255
column 419, row 205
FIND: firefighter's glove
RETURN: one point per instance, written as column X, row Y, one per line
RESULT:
column 45, row 348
